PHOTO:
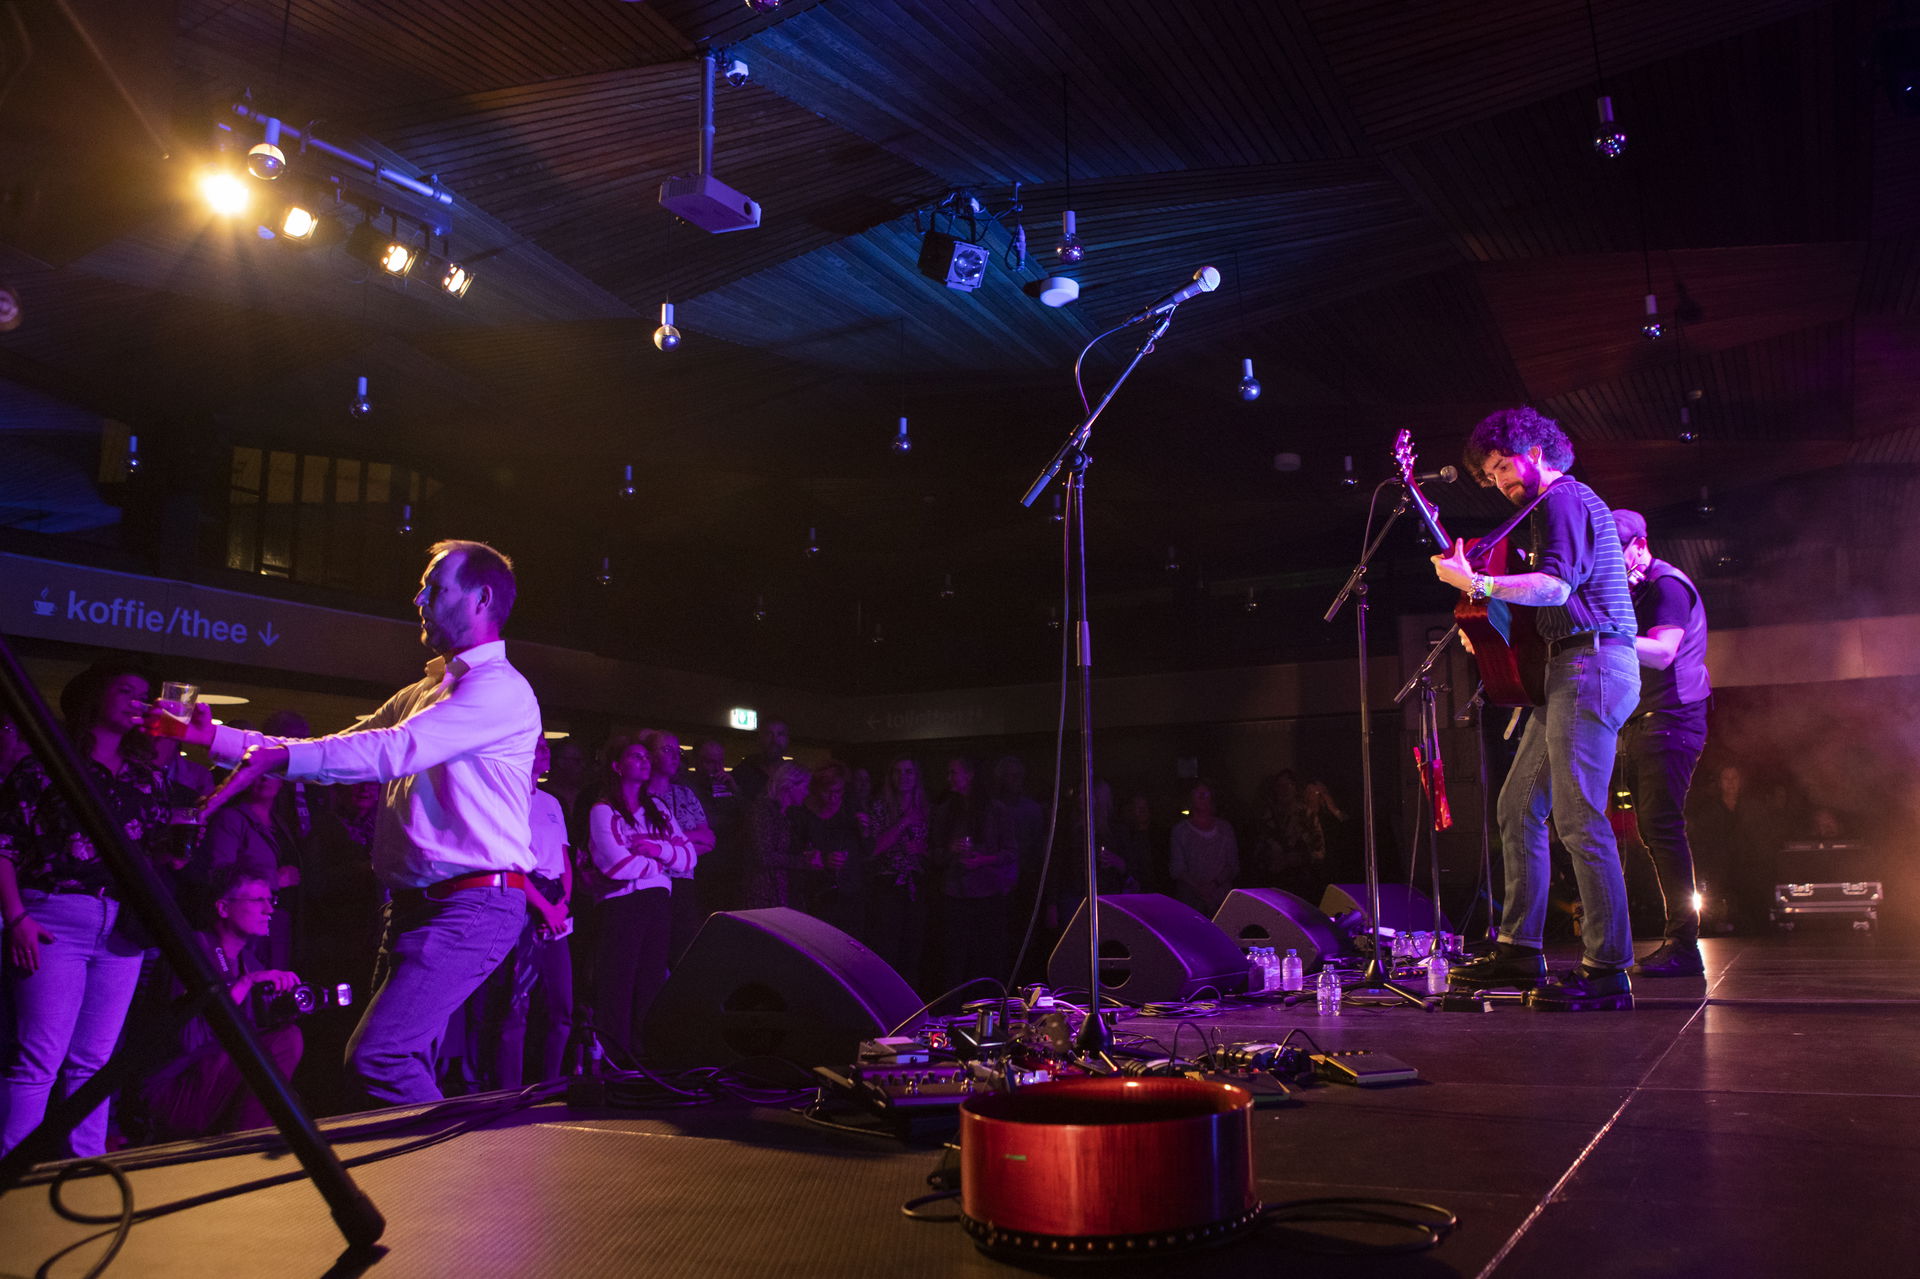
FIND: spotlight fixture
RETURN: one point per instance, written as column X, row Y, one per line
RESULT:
column 455, row 279
column 1687, row 435
column 1251, row 604
column 1704, row 508
column 959, row 264
column 812, row 549
column 1069, row 250
column 666, row 337
column 133, row 454
column 946, row 587
column 1053, row 617
column 628, row 489
column 902, row 442
column 876, row 638
column 1651, row 328
column 1347, row 477
column 298, row 223
column 1173, row 560
column 375, row 247
column 605, row 576
column 1609, row 139
column 405, row 527
column 1249, row 385
column 266, row 160
column 763, row 6
column 361, row 405
column 738, row 72
column 225, row 193
column 1059, row 510
column 759, row 613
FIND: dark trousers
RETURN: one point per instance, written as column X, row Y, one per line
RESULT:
column 500, row 1013
column 207, row 1094
column 1658, row 752
column 688, row 914
column 630, row 965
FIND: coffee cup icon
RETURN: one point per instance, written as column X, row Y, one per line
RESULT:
column 44, row 606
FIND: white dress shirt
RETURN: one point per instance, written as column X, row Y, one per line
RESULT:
column 455, row 751
column 549, row 836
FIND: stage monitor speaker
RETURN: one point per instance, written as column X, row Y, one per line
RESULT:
column 773, row 983
column 1153, row 949
column 1276, row 918
column 1401, row 908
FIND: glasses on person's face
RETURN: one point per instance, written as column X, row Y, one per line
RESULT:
column 268, row 900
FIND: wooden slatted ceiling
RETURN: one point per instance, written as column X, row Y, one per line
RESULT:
column 1753, row 140
column 1575, row 320
column 347, row 57
column 1158, row 86
column 1414, row 69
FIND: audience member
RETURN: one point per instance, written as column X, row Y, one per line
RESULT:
column 974, row 844
column 1126, row 857
column 680, row 799
column 637, row 845
column 245, row 830
column 828, row 838
column 13, row 745
column 773, row 856
column 72, row 964
column 717, row 877
column 753, row 773
column 897, row 826
column 1205, row 857
column 200, row 1091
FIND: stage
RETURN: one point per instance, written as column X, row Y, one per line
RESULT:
column 1765, row 1121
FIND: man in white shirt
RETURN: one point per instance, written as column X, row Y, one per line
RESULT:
column 453, row 842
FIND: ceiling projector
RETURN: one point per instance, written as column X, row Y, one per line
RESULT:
column 708, row 203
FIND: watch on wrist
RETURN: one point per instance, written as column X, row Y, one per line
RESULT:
column 1482, row 587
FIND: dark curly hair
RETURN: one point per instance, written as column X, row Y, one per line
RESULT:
column 1513, row 432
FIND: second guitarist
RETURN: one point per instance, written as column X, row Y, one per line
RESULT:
column 1577, row 584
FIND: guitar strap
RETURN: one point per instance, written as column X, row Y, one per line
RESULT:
column 1500, row 534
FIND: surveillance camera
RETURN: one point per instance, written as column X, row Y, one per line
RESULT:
column 738, row 73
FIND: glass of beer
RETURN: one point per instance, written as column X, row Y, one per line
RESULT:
column 172, row 711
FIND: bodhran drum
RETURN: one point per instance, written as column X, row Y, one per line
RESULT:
column 1107, row 1167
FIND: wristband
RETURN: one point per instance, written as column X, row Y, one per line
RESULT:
column 1482, row 588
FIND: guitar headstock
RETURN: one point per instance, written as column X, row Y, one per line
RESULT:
column 1403, row 454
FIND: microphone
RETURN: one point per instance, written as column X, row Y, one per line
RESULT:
column 1205, row 280
column 1445, row 475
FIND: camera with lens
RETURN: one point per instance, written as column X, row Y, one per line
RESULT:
column 277, row 1007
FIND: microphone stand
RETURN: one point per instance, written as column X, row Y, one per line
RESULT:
column 149, row 902
column 1094, row 1038
column 1378, row 976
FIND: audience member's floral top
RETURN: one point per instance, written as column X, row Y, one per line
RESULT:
column 39, row 835
column 903, row 862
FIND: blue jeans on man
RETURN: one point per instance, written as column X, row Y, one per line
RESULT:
column 433, row 955
column 1564, row 768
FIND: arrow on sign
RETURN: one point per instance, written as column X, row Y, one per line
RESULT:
column 268, row 635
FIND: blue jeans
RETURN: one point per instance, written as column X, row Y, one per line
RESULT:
column 1564, row 767
column 433, row 955
column 68, row 1012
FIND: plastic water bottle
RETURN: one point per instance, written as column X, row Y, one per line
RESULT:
column 1327, row 993
column 1293, row 973
column 1270, row 970
column 1437, row 972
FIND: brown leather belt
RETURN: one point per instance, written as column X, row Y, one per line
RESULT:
column 460, row 883
column 1588, row 639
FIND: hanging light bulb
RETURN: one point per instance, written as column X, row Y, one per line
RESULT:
column 1053, row 617
column 605, row 576
column 946, row 587
column 759, row 613
column 812, row 548
column 1249, row 385
column 666, row 337
column 361, row 405
column 1609, row 139
column 1347, row 477
column 1059, row 510
column 266, row 160
column 133, row 454
column 1069, row 250
column 405, row 527
column 763, row 6
column 1651, row 328
column 876, row 637
column 902, row 442
column 1704, row 508
column 1173, row 560
column 1252, row 604
column 628, row 489
column 1687, row 434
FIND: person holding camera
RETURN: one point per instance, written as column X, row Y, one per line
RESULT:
column 199, row 1091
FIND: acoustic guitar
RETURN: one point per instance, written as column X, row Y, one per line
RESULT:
column 1506, row 644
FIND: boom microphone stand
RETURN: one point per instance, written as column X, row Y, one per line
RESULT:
column 1095, row 1037
column 359, row 1221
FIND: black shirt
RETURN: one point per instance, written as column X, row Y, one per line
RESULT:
column 1667, row 597
column 1574, row 539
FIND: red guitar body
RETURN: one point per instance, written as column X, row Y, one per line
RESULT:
column 1506, row 644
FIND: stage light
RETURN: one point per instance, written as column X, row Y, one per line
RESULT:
column 738, row 72
column 298, row 224
column 405, row 527
column 225, row 193
column 1650, row 328
column 1173, row 560
column 946, row 587
column 1347, row 477
column 1069, row 250
column 763, row 6
column 266, row 160
column 1059, row 510
column 1249, row 385
column 1058, row 290
column 133, row 454
column 1252, row 604
column 456, row 279
column 1609, row 139
column 628, row 489
column 396, row 258
column 361, row 405
column 1704, row 507
column 876, row 637
column 902, row 442
column 1053, row 617
column 759, row 613
column 10, row 313
column 605, row 576
column 666, row 337
column 956, row 263
column 375, row 247
column 812, row 549
column 1687, row 434
column 1699, row 903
